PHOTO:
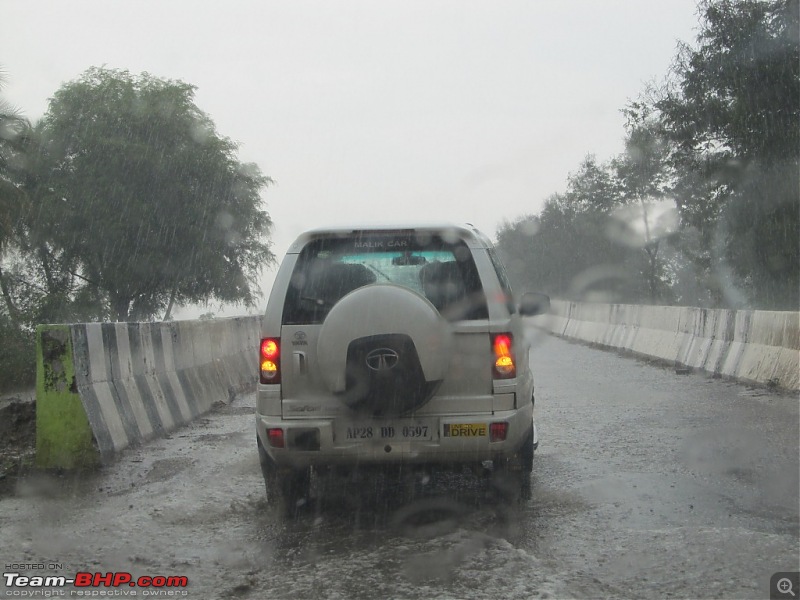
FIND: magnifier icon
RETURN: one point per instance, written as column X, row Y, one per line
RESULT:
column 785, row 586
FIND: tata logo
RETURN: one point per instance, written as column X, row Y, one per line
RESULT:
column 382, row 359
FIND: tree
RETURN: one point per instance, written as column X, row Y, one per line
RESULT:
column 12, row 124
column 642, row 173
column 143, row 200
column 17, row 350
column 593, row 188
column 720, row 140
column 732, row 114
column 569, row 250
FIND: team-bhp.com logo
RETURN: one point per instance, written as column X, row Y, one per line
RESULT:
column 87, row 584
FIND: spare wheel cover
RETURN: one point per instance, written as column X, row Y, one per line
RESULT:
column 377, row 310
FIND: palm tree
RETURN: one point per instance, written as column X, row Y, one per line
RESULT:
column 12, row 132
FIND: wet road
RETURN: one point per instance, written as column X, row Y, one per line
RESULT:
column 647, row 484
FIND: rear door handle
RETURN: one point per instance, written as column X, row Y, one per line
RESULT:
column 300, row 362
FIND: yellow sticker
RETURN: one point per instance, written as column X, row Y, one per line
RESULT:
column 465, row 430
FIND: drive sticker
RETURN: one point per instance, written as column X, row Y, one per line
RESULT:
column 465, row 430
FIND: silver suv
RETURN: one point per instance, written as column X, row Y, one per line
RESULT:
column 393, row 348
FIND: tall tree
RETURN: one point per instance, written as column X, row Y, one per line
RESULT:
column 593, row 188
column 147, row 199
column 17, row 364
column 733, row 115
column 12, row 126
column 567, row 250
column 642, row 172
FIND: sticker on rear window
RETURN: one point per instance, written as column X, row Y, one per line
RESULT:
column 403, row 243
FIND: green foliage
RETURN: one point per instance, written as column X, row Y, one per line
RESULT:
column 592, row 188
column 738, row 93
column 642, row 172
column 17, row 357
column 12, row 125
column 122, row 201
column 703, row 205
column 143, row 200
column 732, row 116
column 761, row 229
column 605, row 239
column 567, row 251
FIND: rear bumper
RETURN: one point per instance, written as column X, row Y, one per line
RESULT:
column 320, row 442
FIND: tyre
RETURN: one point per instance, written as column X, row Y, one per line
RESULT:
column 268, row 471
column 526, row 454
column 295, row 488
column 286, row 490
column 526, row 462
column 511, row 478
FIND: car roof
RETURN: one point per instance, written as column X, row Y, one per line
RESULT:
column 466, row 232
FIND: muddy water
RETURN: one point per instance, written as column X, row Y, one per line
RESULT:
column 647, row 484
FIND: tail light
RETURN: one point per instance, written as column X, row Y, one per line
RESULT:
column 275, row 437
column 498, row 431
column 269, row 360
column 503, row 356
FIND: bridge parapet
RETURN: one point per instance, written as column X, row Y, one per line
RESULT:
column 747, row 345
column 102, row 387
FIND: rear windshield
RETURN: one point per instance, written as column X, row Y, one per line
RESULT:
column 329, row 268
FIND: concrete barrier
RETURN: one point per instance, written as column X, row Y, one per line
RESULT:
column 102, row 387
column 750, row 346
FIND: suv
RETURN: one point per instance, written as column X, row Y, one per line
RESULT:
column 393, row 347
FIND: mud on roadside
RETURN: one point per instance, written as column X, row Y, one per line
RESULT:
column 17, row 439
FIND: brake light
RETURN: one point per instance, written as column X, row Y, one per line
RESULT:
column 498, row 431
column 269, row 361
column 503, row 356
column 275, row 437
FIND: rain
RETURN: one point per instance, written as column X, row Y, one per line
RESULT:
column 636, row 165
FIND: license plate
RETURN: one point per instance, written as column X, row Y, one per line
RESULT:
column 384, row 431
column 465, row 430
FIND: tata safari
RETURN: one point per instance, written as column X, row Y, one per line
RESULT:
column 393, row 348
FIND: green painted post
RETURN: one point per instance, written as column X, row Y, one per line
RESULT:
column 63, row 435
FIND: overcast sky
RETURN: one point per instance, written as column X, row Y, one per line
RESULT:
column 375, row 110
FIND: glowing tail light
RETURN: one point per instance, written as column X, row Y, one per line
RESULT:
column 503, row 356
column 269, row 360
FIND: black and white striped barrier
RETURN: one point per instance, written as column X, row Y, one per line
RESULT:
column 755, row 346
column 102, row 387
